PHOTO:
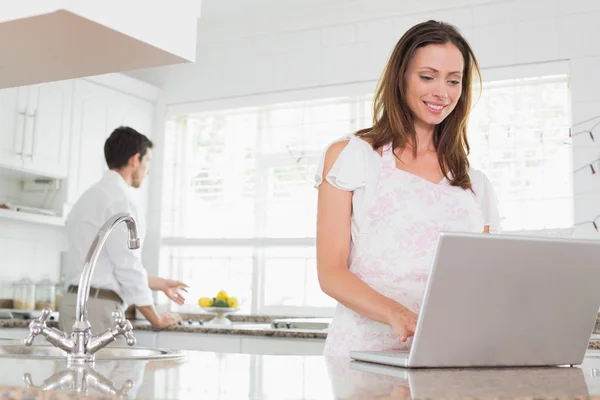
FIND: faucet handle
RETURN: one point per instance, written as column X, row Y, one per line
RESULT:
column 118, row 317
column 28, row 381
column 128, row 333
column 124, row 327
column 37, row 326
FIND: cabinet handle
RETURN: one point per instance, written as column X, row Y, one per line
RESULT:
column 24, row 114
column 34, row 116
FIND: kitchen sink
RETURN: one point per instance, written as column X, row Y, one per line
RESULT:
column 106, row 353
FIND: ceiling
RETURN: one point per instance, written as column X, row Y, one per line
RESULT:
column 233, row 9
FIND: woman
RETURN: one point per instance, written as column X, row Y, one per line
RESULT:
column 386, row 192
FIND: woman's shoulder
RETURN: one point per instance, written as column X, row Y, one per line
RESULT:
column 479, row 179
column 351, row 145
column 346, row 161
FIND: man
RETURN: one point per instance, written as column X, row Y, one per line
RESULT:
column 119, row 278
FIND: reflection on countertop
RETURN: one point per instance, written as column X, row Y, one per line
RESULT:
column 203, row 375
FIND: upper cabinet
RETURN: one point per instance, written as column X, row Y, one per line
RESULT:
column 48, row 114
column 74, row 38
column 97, row 111
column 12, row 117
column 35, row 127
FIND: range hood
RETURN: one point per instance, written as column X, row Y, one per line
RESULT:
column 52, row 40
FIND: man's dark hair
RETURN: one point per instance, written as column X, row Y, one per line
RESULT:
column 123, row 143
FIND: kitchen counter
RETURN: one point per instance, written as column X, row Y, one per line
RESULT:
column 258, row 329
column 204, row 375
column 237, row 328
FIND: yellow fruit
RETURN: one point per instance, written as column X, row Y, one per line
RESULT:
column 205, row 302
column 222, row 295
column 233, row 302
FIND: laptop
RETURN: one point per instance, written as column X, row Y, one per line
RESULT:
column 475, row 383
column 503, row 301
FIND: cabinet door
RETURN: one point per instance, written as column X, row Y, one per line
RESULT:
column 144, row 338
column 97, row 111
column 48, row 128
column 12, row 118
column 13, row 333
column 198, row 341
column 282, row 346
column 138, row 114
column 89, row 130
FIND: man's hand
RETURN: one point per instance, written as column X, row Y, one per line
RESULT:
column 173, row 290
column 170, row 287
column 167, row 319
column 159, row 321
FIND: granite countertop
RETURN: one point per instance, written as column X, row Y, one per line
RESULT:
column 244, row 327
column 204, row 375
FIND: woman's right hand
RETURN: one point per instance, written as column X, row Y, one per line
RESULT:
column 403, row 322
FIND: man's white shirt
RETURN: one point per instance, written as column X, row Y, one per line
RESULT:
column 118, row 268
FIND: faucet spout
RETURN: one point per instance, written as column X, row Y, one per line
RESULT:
column 133, row 242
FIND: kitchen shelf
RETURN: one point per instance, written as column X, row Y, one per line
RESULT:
column 24, row 175
column 29, row 217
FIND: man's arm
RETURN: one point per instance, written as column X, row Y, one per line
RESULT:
column 130, row 273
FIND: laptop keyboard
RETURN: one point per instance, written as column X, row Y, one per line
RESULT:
column 392, row 353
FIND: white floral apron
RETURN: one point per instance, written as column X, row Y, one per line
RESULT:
column 394, row 250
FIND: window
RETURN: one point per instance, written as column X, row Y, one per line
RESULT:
column 239, row 203
column 518, row 131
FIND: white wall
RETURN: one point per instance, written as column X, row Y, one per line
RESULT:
column 29, row 249
column 339, row 45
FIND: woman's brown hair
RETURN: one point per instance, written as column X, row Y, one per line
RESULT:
column 393, row 119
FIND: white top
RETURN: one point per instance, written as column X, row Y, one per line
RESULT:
column 118, row 268
column 357, row 169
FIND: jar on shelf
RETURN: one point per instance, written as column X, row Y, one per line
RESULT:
column 24, row 294
column 45, row 294
column 6, row 295
column 60, row 289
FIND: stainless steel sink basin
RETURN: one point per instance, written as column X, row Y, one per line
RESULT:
column 106, row 353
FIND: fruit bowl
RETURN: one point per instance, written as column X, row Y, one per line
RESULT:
column 221, row 314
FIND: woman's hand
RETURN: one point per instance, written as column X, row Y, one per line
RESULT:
column 403, row 322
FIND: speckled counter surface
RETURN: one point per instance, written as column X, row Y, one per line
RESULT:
column 244, row 328
column 242, row 325
column 239, row 329
column 204, row 375
column 594, row 344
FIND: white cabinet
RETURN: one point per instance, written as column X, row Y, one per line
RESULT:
column 282, row 346
column 13, row 333
column 20, row 334
column 47, row 128
column 239, row 344
column 198, row 341
column 35, row 127
column 54, row 40
column 145, row 338
column 12, row 109
column 97, row 111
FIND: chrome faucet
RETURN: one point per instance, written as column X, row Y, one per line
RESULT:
column 80, row 345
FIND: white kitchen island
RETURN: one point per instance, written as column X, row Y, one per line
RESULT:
column 207, row 375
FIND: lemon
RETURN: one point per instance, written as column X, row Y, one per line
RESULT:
column 222, row 295
column 205, row 302
column 233, row 302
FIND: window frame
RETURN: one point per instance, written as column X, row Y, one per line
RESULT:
column 353, row 90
